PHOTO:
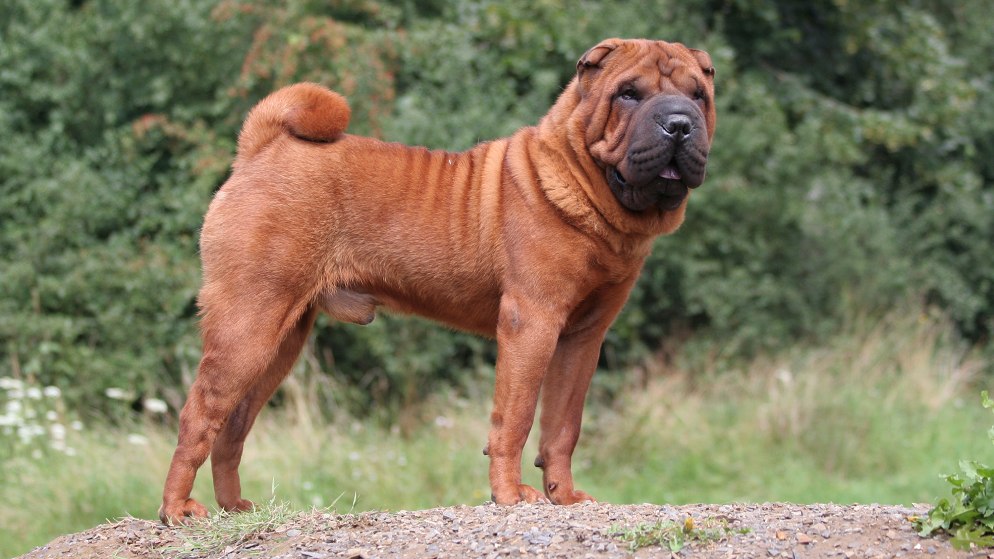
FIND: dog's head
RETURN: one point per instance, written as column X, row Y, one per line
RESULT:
column 651, row 119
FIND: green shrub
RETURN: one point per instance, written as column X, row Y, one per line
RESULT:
column 852, row 168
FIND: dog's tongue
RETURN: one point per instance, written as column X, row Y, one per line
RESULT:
column 670, row 172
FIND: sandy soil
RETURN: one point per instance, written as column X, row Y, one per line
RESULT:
column 488, row 531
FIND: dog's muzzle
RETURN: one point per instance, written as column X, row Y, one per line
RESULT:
column 667, row 155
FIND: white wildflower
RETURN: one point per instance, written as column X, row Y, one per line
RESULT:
column 8, row 383
column 52, row 392
column 58, row 431
column 116, row 393
column 444, row 422
column 76, row 425
column 51, row 415
column 70, row 451
column 28, row 432
column 14, row 408
column 137, row 440
column 34, row 393
column 155, row 405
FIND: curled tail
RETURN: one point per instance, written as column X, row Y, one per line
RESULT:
column 305, row 110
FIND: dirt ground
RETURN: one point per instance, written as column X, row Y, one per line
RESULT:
column 540, row 531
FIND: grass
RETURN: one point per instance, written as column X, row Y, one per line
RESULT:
column 873, row 416
column 675, row 536
column 223, row 530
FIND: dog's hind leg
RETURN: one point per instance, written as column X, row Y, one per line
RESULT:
column 243, row 344
column 227, row 451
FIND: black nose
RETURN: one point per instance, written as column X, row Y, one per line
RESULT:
column 677, row 125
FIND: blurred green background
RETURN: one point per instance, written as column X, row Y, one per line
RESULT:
column 850, row 200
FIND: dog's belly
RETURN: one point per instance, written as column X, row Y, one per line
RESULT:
column 452, row 293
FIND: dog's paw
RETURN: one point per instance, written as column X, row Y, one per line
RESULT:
column 241, row 505
column 522, row 494
column 572, row 498
column 172, row 514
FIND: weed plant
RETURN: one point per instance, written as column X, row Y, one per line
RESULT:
column 968, row 514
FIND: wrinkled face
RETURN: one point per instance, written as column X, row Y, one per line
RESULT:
column 654, row 119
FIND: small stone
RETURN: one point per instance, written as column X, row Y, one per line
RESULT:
column 356, row 553
column 803, row 538
column 781, row 535
column 293, row 533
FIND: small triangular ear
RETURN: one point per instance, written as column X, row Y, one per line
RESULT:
column 704, row 59
column 596, row 55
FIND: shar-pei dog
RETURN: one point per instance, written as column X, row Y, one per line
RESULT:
column 535, row 240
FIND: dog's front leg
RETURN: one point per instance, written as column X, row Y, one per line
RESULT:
column 526, row 339
column 565, row 389
column 563, row 395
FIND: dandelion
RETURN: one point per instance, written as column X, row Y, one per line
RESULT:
column 155, row 405
column 137, row 440
column 52, row 392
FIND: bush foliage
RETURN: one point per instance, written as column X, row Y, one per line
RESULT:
column 853, row 166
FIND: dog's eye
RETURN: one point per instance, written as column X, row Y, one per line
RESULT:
column 700, row 95
column 629, row 94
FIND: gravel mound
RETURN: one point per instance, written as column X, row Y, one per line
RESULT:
column 488, row 531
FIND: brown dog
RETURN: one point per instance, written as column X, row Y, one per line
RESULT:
column 535, row 239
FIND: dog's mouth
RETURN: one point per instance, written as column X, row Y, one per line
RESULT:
column 665, row 191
